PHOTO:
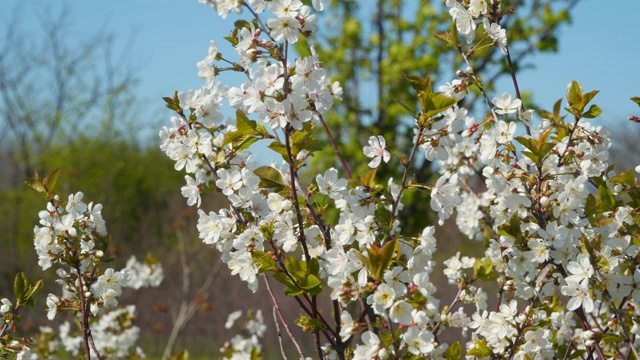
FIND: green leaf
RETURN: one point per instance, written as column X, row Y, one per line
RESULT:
column 313, row 285
column 574, row 93
column 242, row 24
column 454, row 352
column 447, row 37
column 369, row 179
column 283, row 278
column 233, row 37
column 627, row 178
column 264, row 261
column 480, row 349
column 607, row 200
column 32, row 290
column 636, row 99
column 512, row 229
column 535, row 158
column 613, row 338
column 309, row 324
column 437, row 103
column 20, row 288
column 379, row 258
column 293, row 265
column 593, row 112
column 291, row 288
column 243, row 124
column 36, row 185
column 484, row 270
column 50, row 181
column 388, row 250
column 586, row 98
column 419, row 84
column 173, row 103
column 247, row 132
column 545, row 149
column 269, row 177
column 279, row 147
column 313, row 267
column 578, row 100
column 239, row 141
column 527, row 142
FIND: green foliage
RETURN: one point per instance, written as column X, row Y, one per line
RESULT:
column 379, row 259
column 454, row 352
column 537, row 149
column 24, row 290
column 300, row 277
column 578, row 100
column 47, row 186
column 247, row 132
column 483, row 270
column 131, row 183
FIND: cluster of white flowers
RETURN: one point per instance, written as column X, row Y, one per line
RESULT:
column 467, row 18
column 246, row 344
column 282, row 97
column 559, row 225
column 143, row 275
column 73, row 235
column 113, row 334
column 82, row 224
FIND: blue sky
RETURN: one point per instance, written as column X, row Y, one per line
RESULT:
column 599, row 49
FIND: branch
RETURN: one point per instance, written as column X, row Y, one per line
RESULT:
column 276, row 308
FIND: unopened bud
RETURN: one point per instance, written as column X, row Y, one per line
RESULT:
column 469, row 70
column 544, row 201
column 99, row 253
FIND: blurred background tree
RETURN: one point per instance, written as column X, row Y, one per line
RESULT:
column 68, row 99
column 369, row 47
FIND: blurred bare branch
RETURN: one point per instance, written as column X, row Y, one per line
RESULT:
column 54, row 84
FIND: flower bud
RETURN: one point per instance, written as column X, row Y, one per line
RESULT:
column 469, row 70
column 544, row 201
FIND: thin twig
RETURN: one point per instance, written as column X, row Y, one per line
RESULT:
column 276, row 308
column 275, row 321
column 87, row 338
column 333, row 144
column 515, row 85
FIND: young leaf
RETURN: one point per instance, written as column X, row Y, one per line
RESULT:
column 574, row 93
column 419, row 84
column 269, row 177
column 36, row 185
column 20, row 288
column 593, row 112
column 264, row 261
column 480, row 349
column 454, row 352
column 50, row 181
